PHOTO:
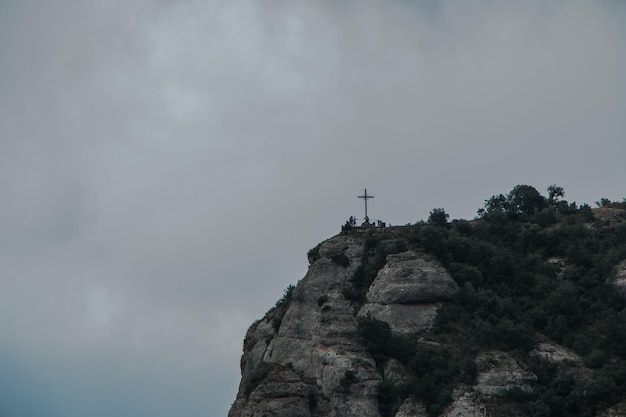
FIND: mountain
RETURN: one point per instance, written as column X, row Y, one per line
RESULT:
column 519, row 312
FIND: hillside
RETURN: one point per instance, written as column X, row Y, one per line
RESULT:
column 519, row 312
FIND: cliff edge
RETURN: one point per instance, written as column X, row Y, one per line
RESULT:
column 306, row 357
column 378, row 327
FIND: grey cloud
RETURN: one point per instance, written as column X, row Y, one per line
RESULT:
column 165, row 166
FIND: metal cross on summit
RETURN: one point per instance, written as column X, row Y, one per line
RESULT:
column 365, row 197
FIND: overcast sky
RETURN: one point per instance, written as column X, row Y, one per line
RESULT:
column 166, row 165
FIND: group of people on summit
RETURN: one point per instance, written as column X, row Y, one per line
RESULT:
column 351, row 222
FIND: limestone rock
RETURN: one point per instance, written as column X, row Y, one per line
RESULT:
column 556, row 353
column 407, row 292
column 559, row 264
column 411, row 408
column 255, row 345
column 341, row 245
column 395, row 372
column 498, row 372
column 405, row 319
column 619, row 277
column 320, row 367
column 281, row 389
column 411, row 278
column 465, row 403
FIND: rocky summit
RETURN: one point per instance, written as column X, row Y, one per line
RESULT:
column 400, row 322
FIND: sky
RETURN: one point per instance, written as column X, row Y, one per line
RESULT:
column 166, row 165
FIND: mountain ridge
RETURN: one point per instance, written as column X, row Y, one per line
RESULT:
column 462, row 318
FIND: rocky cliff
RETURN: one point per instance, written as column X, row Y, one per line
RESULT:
column 311, row 356
column 306, row 358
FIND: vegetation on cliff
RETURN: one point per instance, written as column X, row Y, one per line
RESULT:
column 516, row 313
column 530, row 267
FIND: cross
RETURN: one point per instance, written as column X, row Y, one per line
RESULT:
column 365, row 197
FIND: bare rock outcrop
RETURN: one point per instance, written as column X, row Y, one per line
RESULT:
column 465, row 403
column 407, row 292
column 280, row 389
column 394, row 372
column 556, row 353
column 318, row 363
column 618, row 410
column 618, row 279
column 411, row 408
column 411, row 278
column 499, row 372
column 324, row 369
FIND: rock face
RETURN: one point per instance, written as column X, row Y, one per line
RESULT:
column 407, row 292
column 411, row 278
column 465, row 404
column 306, row 357
column 314, row 363
column 320, row 368
column 555, row 353
column 411, row 408
column 619, row 277
column 498, row 373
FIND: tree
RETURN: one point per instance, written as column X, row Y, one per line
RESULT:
column 438, row 217
column 554, row 193
column 522, row 200
column 496, row 205
column 525, row 200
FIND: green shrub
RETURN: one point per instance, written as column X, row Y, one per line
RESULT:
column 347, row 380
column 390, row 397
column 279, row 310
column 438, row 217
column 596, row 359
column 314, row 254
column 376, row 335
column 374, row 258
